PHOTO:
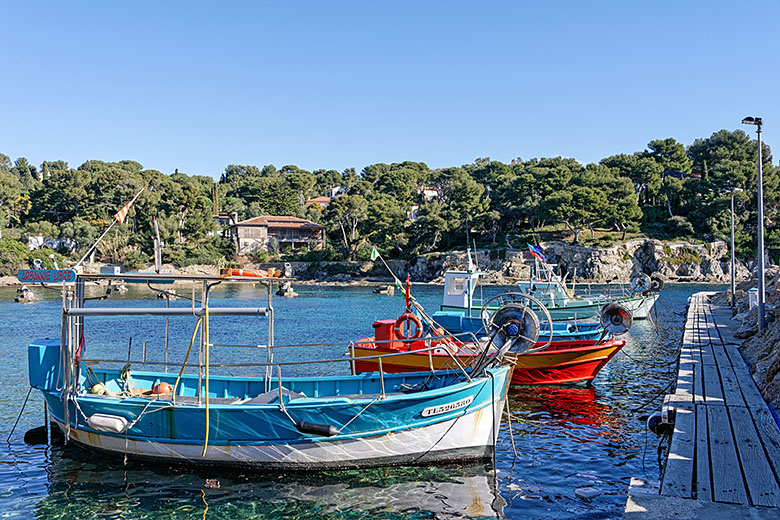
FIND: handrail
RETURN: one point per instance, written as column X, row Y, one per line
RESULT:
column 166, row 311
column 286, row 363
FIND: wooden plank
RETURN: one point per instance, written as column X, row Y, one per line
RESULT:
column 761, row 484
column 713, row 393
column 751, row 395
column 769, row 433
column 721, row 358
column 703, row 477
column 698, row 384
column 678, row 475
column 732, row 393
column 685, row 379
column 727, row 483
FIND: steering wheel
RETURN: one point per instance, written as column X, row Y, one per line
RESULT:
column 515, row 323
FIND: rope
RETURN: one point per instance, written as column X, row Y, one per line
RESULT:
column 20, row 415
column 192, row 341
column 358, row 414
column 511, row 434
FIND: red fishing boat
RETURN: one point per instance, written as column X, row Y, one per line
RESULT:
column 560, row 362
column 546, row 362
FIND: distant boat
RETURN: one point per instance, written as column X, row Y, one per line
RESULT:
column 461, row 287
column 272, row 420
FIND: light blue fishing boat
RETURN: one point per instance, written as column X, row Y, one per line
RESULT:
column 270, row 420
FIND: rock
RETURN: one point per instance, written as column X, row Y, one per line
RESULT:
column 587, row 493
column 771, row 393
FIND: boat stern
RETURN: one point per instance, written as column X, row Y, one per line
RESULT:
column 43, row 357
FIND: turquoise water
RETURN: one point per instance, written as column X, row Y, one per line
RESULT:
column 565, row 438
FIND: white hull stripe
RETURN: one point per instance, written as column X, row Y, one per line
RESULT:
column 468, row 436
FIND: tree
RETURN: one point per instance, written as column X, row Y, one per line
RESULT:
column 670, row 155
column 385, row 221
column 345, row 214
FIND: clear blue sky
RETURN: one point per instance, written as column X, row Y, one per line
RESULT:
column 197, row 86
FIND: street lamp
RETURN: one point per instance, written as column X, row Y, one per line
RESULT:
column 733, row 299
column 757, row 121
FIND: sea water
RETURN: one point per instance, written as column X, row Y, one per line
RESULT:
column 561, row 439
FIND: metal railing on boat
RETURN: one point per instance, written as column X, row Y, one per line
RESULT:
column 457, row 365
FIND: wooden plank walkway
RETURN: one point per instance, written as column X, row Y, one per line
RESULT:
column 726, row 444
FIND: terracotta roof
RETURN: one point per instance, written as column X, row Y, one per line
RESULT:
column 319, row 200
column 280, row 222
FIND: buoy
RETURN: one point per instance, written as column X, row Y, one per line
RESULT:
column 99, row 389
column 324, row 430
column 107, row 423
column 162, row 389
column 36, row 436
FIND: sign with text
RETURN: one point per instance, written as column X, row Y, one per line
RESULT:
column 46, row 275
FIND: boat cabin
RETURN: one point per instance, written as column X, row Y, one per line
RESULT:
column 459, row 288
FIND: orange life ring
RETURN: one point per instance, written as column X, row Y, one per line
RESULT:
column 401, row 323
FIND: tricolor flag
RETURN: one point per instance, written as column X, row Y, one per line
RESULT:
column 121, row 215
column 537, row 252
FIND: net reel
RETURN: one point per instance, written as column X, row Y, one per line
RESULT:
column 514, row 326
column 616, row 319
column 640, row 283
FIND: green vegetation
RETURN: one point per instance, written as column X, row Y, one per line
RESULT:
column 404, row 209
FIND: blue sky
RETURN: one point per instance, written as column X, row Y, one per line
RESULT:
column 197, row 86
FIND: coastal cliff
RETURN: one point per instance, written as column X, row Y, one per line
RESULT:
column 680, row 261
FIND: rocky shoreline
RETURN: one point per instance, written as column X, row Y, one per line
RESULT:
column 679, row 261
column 673, row 261
column 761, row 351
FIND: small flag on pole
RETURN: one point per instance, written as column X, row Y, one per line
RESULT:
column 374, row 254
column 537, row 252
column 121, row 215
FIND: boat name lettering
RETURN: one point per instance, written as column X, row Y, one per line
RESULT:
column 438, row 410
column 46, row 275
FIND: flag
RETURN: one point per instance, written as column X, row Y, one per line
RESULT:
column 537, row 252
column 121, row 215
column 374, row 254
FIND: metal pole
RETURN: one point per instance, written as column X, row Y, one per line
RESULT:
column 732, row 300
column 761, row 282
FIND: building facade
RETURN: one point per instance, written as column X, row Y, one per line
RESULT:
column 272, row 233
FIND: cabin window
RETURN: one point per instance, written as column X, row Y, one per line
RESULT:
column 456, row 286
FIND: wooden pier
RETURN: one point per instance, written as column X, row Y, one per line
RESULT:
column 724, row 458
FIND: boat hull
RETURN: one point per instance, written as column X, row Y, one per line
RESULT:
column 561, row 363
column 468, row 437
column 640, row 307
column 457, row 421
column 572, row 365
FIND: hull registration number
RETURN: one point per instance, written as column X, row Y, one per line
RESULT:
column 449, row 407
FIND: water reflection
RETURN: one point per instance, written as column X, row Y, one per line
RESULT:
column 84, row 485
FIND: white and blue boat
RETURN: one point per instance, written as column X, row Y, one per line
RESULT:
column 271, row 419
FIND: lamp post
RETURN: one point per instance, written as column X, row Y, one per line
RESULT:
column 733, row 299
column 757, row 121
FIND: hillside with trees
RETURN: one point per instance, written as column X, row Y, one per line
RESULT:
column 666, row 191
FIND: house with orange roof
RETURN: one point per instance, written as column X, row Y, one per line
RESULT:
column 276, row 233
column 322, row 202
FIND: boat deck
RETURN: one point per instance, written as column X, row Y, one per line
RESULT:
column 724, row 458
